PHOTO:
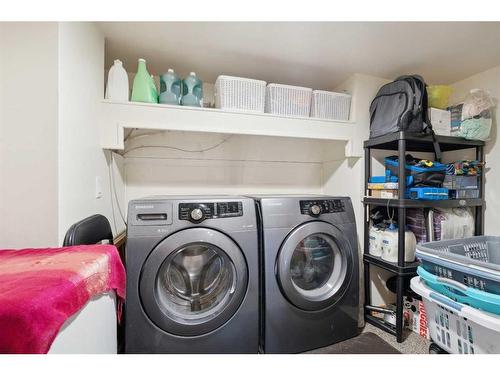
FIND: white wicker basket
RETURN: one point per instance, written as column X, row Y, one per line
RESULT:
column 240, row 94
column 330, row 105
column 288, row 100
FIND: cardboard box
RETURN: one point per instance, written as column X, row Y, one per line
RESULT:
column 440, row 120
column 415, row 316
column 383, row 186
column 456, row 117
column 384, row 193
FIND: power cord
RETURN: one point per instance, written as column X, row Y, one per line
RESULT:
column 177, row 148
column 113, row 192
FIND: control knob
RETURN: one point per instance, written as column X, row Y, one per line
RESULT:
column 315, row 210
column 196, row 214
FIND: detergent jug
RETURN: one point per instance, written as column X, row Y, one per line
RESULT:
column 375, row 240
column 390, row 244
column 170, row 88
column 117, row 85
column 192, row 91
column 144, row 89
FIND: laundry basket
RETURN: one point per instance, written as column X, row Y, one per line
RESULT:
column 330, row 105
column 457, row 328
column 240, row 94
column 466, row 270
column 288, row 100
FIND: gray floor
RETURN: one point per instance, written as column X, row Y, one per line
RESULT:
column 413, row 343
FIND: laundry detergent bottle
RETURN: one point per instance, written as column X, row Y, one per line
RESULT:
column 144, row 89
column 390, row 244
column 170, row 88
column 375, row 240
column 154, row 90
column 192, row 91
column 117, row 86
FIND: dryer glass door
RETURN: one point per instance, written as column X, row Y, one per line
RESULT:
column 314, row 266
column 193, row 281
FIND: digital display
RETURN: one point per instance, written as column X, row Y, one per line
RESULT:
column 328, row 206
column 211, row 210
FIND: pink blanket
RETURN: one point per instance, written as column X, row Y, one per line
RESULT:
column 41, row 288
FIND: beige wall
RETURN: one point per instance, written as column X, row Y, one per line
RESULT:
column 28, row 134
column 489, row 80
column 81, row 158
column 51, row 84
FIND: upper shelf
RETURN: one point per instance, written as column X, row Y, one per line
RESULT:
column 420, row 142
column 117, row 116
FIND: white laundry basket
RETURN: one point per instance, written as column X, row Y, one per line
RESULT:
column 240, row 94
column 458, row 328
column 288, row 100
column 330, row 105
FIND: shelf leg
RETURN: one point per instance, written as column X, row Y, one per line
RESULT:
column 399, row 308
column 402, row 210
column 479, row 229
column 367, row 284
column 366, row 226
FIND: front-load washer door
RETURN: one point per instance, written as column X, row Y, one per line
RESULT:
column 193, row 282
column 314, row 266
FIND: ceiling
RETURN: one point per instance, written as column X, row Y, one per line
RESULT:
column 319, row 54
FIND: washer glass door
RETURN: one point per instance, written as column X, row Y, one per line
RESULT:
column 196, row 281
column 193, row 281
column 314, row 266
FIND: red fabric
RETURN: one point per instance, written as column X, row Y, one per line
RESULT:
column 41, row 288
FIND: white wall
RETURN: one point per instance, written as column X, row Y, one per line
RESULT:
column 81, row 158
column 489, row 80
column 28, row 134
column 50, row 154
column 237, row 165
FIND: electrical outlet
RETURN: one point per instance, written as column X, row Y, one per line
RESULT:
column 98, row 187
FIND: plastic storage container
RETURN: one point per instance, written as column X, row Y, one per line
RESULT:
column 462, row 265
column 421, row 175
column 461, row 293
column 457, row 328
column 330, row 105
column 240, row 94
column 428, row 193
column 288, row 100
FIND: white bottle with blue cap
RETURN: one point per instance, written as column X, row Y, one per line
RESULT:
column 390, row 244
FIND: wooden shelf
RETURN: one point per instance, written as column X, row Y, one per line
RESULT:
column 116, row 117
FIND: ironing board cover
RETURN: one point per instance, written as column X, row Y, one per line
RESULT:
column 41, row 288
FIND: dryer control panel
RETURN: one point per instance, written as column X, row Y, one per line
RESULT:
column 197, row 212
column 318, row 207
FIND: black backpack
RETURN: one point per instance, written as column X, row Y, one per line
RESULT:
column 401, row 105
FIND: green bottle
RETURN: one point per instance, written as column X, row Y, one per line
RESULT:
column 144, row 89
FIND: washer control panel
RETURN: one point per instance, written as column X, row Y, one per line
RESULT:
column 197, row 212
column 318, row 207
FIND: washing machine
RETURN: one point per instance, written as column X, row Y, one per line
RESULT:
column 309, row 283
column 192, row 275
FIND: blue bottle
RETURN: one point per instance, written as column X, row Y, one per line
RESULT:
column 192, row 91
column 170, row 88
